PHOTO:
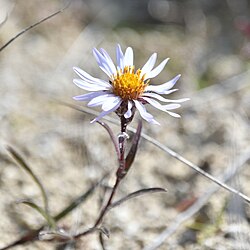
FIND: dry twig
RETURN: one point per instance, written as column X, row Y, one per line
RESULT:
column 32, row 26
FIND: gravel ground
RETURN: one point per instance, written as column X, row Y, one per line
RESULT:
column 68, row 154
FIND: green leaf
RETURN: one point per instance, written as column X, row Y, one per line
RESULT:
column 22, row 163
column 41, row 211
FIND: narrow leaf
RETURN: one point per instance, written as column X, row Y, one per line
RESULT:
column 112, row 136
column 32, row 26
column 101, row 237
column 132, row 152
column 22, row 163
column 101, row 241
column 136, row 194
column 41, row 211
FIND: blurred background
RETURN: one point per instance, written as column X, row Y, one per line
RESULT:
column 208, row 42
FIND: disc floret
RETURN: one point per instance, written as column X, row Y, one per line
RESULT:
column 128, row 84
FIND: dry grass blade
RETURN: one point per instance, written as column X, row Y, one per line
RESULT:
column 32, row 26
column 4, row 20
column 166, row 150
column 195, row 167
column 136, row 194
column 187, row 214
column 23, row 164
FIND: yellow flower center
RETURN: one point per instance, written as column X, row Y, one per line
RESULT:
column 129, row 85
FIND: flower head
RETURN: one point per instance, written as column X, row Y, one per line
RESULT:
column 127, row 89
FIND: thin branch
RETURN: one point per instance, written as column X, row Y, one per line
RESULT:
column 32, row 235
column 34, row 25
column 105, row 209
column 102, row 213
column 187, row 214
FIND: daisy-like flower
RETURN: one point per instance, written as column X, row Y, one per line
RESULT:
column 127, row 89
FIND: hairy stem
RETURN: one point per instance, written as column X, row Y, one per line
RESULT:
column 121, row 159
column 119, row 175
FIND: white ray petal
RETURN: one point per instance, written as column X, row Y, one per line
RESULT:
column 162, row 99
column 149, row 64
column 128, row 114
column 89, row 96
column 119, row 57
column 109, row 61
column 158, row 97
column 156, row 71
column 99, row 58
column 102, row 62
column 160, row 107
column 129, row 57
column 163, row 88
column 103, row 113
column 110, row 102
column 99, row 100
column 148, row 88
column 171, row 106
column 144, row 114
column 157, row 105
column 88, row 86
column 88, row 78
column 154, row 103
column 173, row 114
